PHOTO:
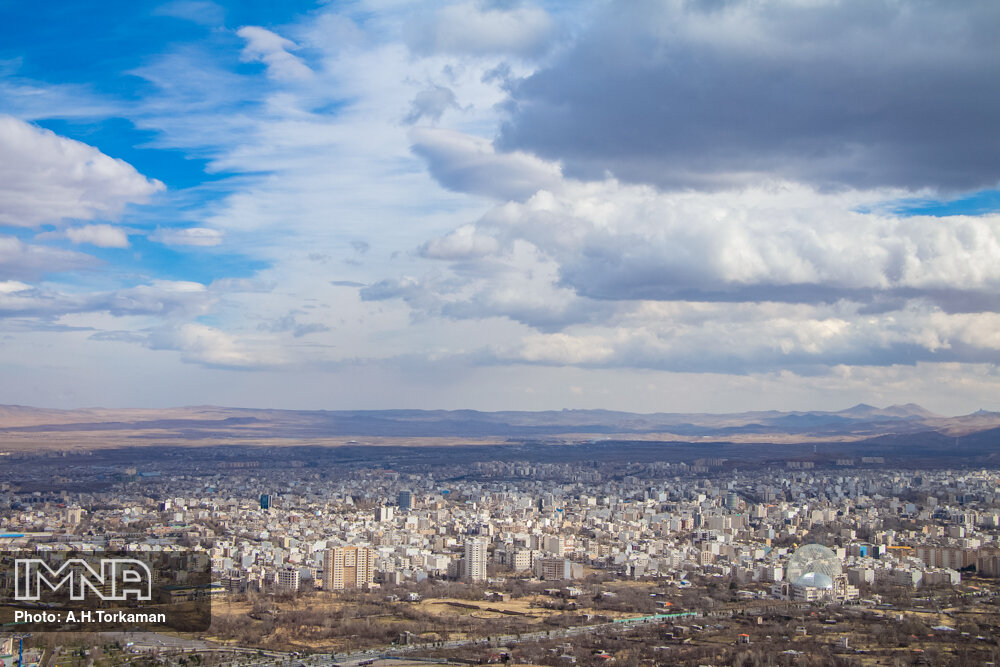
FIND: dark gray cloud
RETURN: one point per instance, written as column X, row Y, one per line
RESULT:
column 290, row 323
column 859, row 93
column 464, row 163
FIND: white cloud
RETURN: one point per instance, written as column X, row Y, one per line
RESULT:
column 201, row 344
column 13, row 287
column 561, row 348
column 102, row 236
column 475, row 28
column 210, row 346
column 272, row 49
column 29, row 261
column 749, row 280
column 164, row 299
column 463, row 243
column 780, row 242
column 189, row 236
column 46, row 178
column 174, row 298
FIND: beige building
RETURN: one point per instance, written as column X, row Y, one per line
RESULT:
column 287, row 579
column 557, row 568
column 950, row 557
column 348, row 567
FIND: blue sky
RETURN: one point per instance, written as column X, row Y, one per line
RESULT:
column 666, row 205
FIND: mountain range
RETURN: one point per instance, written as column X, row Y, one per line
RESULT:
column 29, row 428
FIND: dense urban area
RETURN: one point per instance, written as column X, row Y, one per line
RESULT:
column 319, row 560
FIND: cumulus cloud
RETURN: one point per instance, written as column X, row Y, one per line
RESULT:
column 782, row 242
column 188, row 236
column 272, row 49
column 481, row 28
column 463, row 243
column 753, row 338
column 466, row 163
column 46, row 178
column 778, row 276
column 102, row 236
column 202, row 344
column 520, row 284
column 159, row 297
column 716, row 94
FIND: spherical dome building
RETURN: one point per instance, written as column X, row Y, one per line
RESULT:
column 814, row 580
column 813, row 559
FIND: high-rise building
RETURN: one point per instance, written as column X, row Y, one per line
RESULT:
column 348, row 567
column 265, row 501
column 383, row 513
column 405, row 501
column 474, row 563
column 732, row 501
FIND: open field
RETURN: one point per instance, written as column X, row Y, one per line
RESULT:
column 319, row 622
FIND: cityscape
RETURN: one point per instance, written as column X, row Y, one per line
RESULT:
column 548, row 550
column 395, row 333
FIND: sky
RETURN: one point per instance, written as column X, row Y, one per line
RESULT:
column 652, row 206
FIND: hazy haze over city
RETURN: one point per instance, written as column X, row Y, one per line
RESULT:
column 647, row 206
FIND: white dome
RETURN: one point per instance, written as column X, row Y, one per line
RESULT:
column 813, row 558
column 814, row 580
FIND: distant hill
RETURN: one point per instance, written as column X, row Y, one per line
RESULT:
column 24, row 427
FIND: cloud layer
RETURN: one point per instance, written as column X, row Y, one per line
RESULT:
column 675, row 204
column 859, row 93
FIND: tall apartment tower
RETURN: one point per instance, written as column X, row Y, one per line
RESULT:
column 348, row 567
column 474, row 565
column 405, row 501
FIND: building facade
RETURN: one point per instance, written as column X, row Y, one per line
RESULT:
column 475, row 560
column 348, row 567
